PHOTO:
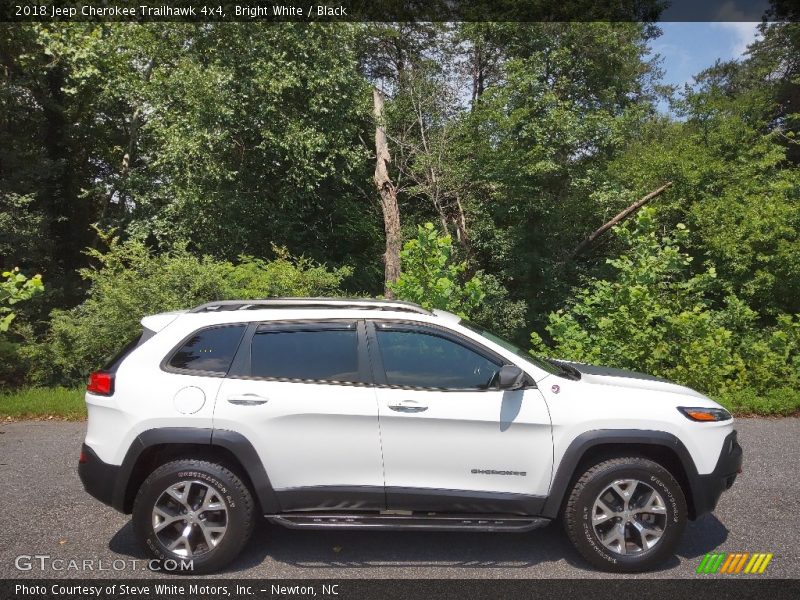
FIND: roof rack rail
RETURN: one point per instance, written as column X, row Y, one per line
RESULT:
column 289, row 303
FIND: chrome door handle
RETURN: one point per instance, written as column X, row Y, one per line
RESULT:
column 408, row 406
column 248, row 400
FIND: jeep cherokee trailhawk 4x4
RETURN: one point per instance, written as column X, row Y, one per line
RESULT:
column 321, row 413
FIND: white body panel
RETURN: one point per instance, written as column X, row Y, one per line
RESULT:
column 307, row 434
column 144, row 397
column 594, row 403
column 461, row 431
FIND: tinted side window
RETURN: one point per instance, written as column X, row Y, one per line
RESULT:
column 418, row 359
column 209, row 350
column 327, row 355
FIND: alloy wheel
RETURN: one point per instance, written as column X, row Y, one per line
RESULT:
column 190, row 518
column 629, row 516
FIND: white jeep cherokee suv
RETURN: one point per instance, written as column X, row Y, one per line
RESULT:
column 323, row 413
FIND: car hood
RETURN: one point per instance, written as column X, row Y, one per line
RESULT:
column 629, row 379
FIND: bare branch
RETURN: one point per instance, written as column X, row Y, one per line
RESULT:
column 585, row 244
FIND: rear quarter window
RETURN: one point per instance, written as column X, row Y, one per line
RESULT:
column 207, row 351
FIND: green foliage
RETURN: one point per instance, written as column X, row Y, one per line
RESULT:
column 432, row 278
column 231, row 135
column 44, row 403
column 16, row 288
column 498, row 312
column 655, row 316
column 778, row 402
column 734, row 162
column 206, row 142
column 129, row 281
column 538, row 143
column 259, row 127
column 21, row 234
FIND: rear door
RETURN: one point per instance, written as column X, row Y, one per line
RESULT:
column 301, row 393
column 451, row 441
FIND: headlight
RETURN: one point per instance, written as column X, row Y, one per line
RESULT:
column 705, row 414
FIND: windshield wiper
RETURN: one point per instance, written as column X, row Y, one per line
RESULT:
column 567, row 371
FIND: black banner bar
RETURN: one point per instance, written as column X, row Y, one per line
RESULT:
column 396, row 10
column 400, row 589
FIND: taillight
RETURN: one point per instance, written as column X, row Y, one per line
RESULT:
column 101, row 383
column 83, row 458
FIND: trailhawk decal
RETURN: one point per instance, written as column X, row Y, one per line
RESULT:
column 493, row 472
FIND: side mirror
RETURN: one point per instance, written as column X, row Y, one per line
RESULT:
column 510, row 377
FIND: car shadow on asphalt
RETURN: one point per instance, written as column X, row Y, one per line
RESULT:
column 125, row 543
column 702, row 536
column 364, row 550
column 343, row 549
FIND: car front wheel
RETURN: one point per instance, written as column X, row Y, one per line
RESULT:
column 626, row 514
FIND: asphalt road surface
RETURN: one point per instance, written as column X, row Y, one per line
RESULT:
column 46, row 512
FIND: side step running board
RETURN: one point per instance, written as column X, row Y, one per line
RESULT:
column 399, row 522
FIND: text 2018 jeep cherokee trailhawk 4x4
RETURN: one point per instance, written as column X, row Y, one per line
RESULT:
column 323, row 413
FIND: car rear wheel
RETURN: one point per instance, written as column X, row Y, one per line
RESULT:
column 626, row 514
column 194, row 516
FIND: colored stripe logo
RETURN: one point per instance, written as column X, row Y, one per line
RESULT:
column 734, row 563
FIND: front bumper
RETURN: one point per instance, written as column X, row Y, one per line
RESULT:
column 98, row 478
column 707, row 489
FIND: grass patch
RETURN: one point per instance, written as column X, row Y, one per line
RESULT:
column 43, row 403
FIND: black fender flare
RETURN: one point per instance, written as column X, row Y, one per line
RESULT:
column 234, row 442
column 589, row 439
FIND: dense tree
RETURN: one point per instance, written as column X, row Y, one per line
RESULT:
column 45, row 127
column 736, row 179
column 229, row 137
column 433, row 279
column 539, row 141
column 200, row 143
column 655, row 315
column 255, row 135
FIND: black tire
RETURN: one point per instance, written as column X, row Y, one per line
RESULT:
column 238, row 516
column 591, row 484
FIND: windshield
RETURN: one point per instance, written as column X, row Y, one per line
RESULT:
column 543, row 364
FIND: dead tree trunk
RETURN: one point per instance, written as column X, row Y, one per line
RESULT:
column 461, row 225
column 584, row 245
column 136, row 121
column 388, row 193
column 477, row 78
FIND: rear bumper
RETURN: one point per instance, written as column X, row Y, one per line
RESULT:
column 707, row 489
column 98, row 478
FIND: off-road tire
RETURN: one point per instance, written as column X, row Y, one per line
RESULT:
column 577, row 514
column 236, row 496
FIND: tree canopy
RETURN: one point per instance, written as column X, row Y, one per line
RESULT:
column 226, row 149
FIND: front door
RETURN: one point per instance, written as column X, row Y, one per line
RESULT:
column 452, row 443
column 300, row 393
